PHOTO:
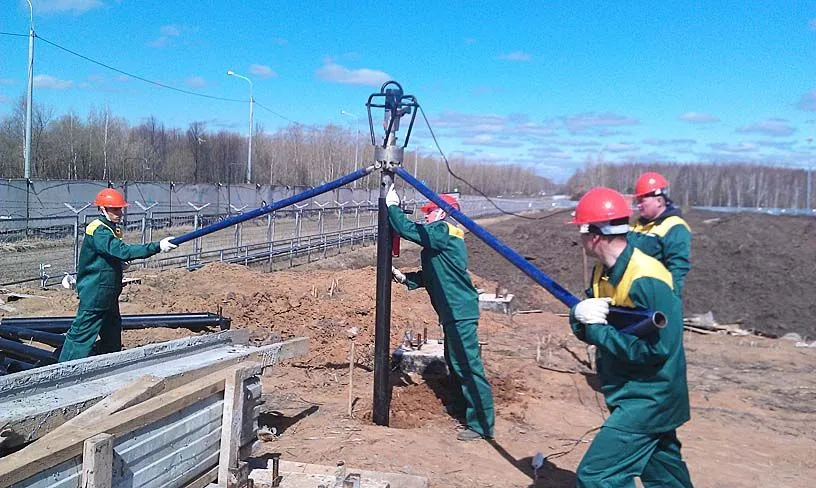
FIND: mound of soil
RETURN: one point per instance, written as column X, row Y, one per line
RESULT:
column 751, row 269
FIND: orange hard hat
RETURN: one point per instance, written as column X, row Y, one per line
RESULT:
column 431, row 206
column 599, row 206
column 651, row 182
column 110, row 198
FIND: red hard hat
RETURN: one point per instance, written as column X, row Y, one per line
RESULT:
column 431, row 206
column 650, row 182
column 600, row 205
column 110, row 198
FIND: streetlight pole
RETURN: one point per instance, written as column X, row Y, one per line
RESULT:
column 249, row 142
column 29, row 94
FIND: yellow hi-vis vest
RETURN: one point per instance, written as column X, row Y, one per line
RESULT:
column 662, row 228
column 640, row 266
column 91, row 228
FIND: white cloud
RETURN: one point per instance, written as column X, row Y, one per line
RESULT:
column 516, row 56
column 770, row 127
column 669, row 142
column 596, row 123
column 50, row 82
column 7, row 81
column 4, row 99
column 490, row 140
column 167, row 34
column 59, row 6
column 195, row 82
column 698, row 117
column 335, row 73
column 807, row 102
column 741, row 147
column 262, row 71
column 620, row 147
column 170, row 30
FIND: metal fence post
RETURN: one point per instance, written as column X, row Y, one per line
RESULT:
column 145, row 220
column 196, row 223
column 76, row 231
column 238, row 228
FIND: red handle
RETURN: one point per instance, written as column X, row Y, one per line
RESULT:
column 395, row 244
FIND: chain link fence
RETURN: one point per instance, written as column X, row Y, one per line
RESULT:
column 42, row 224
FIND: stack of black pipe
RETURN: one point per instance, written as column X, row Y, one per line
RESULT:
column 16, row 356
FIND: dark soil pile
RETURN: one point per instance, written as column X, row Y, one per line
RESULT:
column 753, row 269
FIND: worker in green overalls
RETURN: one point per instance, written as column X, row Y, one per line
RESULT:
column 643, row 379
column 660, row 230
column 454, row 298
column 99, row 279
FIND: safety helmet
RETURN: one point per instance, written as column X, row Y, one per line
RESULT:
column 600, row 207
column 651, row 182
column 110, row 198
column 431, row 206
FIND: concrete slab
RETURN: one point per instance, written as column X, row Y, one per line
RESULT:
column 502, row 304
column 289, row 468
column 34, row 402
column 427, row 360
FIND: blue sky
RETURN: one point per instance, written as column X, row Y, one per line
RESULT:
column 546, row 84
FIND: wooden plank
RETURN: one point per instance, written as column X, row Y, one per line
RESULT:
column 205, row 480
column 97, row 461
column 28, row 423
column 134, row 393
column 232, row 422
column 37, row 456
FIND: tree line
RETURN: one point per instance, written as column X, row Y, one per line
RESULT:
column 699, row 184
column 102, row 146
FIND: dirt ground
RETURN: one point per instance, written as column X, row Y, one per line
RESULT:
column 749, row 269
column 753, row 398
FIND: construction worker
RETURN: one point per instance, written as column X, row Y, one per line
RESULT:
column 643, row 379
column 99, row 279
column 661, row 231
column 454, row 298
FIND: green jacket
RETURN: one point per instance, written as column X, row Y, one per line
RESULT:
column 643, row 379
column 444, row 267
column 99, row 271
column 667, row 239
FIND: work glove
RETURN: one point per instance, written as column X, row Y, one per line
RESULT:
column 166, row 245
column 399, row 277
column 391, row 198
column 592, row 310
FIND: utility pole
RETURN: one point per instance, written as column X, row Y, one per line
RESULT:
column 29, row 94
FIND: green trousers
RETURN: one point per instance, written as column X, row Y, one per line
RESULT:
column 88, row 324
column 464, row 361
column 616, row 457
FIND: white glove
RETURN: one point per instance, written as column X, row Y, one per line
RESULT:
column 391, row 198
column 166, row 245
column 592, row 310
column 399, row 277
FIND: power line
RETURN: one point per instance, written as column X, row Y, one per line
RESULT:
column 276, row 113
column 13, row 34
column 140, row 78
column 480, row 192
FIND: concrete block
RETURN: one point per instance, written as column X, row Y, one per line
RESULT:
column 492, row 303
column 427, row 360
column 297, row 475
